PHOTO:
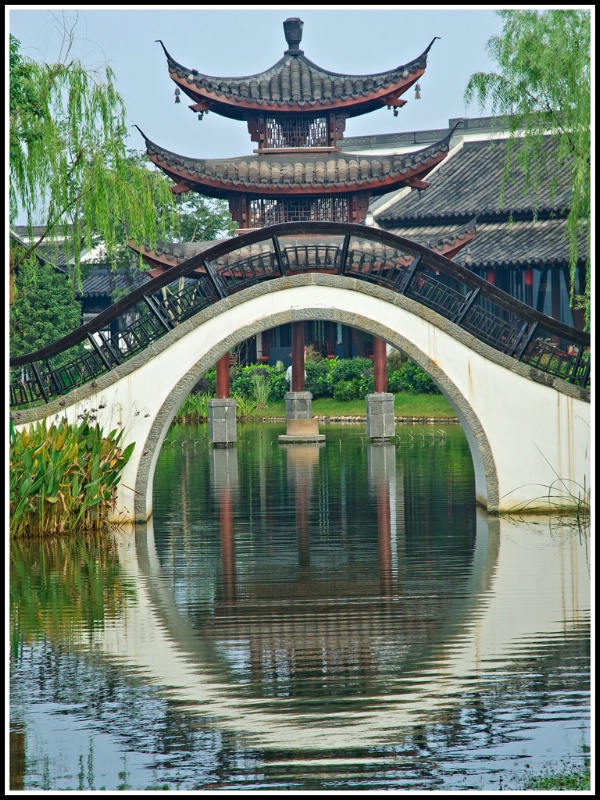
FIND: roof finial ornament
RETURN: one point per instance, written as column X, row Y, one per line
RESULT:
column 292, row 28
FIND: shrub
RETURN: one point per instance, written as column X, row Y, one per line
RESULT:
column 244, row 406
column 346, row 390
column 347, row 369
column 278, row 385
column 318, row 377
column 202, row 386
column 63, row 478
column 395, row 360
column 242, row 381
column 411, row 378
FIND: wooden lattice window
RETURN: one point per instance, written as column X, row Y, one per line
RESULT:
column 298, row 209
column 296, row 132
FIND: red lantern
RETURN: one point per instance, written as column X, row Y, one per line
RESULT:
column 491, row 276
column 528, row 277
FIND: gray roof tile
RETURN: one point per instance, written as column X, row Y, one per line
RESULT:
column 469, row 183
column 501, row 244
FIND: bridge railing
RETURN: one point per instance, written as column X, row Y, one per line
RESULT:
column 354, row 251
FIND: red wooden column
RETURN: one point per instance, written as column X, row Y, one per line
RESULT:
column 379, row 364
column 298, row 357
column 223, row 377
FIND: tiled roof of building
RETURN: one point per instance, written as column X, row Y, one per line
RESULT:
column 340, row 172
column 102, row 281
column 522, row 244
column 52, row 249
column 296, row 82
column 469, row 183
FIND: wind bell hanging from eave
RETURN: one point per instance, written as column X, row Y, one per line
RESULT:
column 177, row 93
column 417, row 91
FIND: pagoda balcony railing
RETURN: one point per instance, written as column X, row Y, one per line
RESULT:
column 356, row 251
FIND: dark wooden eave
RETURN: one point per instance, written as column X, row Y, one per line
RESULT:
column 296, row 85
column 269, row 175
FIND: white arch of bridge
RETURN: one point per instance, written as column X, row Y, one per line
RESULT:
column 528, row 433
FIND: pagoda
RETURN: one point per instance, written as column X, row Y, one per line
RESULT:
column 296, row 114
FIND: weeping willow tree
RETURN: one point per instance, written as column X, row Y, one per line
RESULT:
column 544, row 87
column 69, row 168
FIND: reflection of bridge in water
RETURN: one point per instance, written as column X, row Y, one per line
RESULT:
column 517, row 380
column 245, row 665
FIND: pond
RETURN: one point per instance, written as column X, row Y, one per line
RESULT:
column 319, row 617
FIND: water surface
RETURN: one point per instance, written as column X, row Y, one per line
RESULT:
column 302, row 617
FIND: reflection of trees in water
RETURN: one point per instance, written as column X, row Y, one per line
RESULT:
column 58, row 585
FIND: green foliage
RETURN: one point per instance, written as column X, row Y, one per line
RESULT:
column 203, row 218
column 347, row 369
column 245, row 406
column 318, row 377
column 544, row 86
column 63, row 478
column 395, row 359
column 260, row 390
column 257, row 386
column 345, row 390
column 43, row 308
column 243, row 381
column 194, row 218
column 344, row 379
column 411, row 378
column 68, row 163
column 207, row 383
column 564, row 777
column 194, row 409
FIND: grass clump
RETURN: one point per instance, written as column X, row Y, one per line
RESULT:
column 63, row 478
column 569, row 778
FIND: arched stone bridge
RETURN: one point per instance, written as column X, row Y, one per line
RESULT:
column 517, row 379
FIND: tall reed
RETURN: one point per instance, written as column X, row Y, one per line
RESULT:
column 63, row 478
column 193, row 410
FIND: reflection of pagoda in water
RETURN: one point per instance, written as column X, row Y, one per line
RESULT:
column 310, row 615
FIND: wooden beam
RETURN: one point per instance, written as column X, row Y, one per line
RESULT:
column 417, row 183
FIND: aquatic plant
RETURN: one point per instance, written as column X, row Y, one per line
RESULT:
column 63, row 478
column 244, row 406
column 194, row 409
column 260, row 390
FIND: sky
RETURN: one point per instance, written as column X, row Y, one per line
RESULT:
column 234, row 40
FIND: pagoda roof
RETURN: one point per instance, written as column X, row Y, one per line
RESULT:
column 276, row 174
column 295, row 84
